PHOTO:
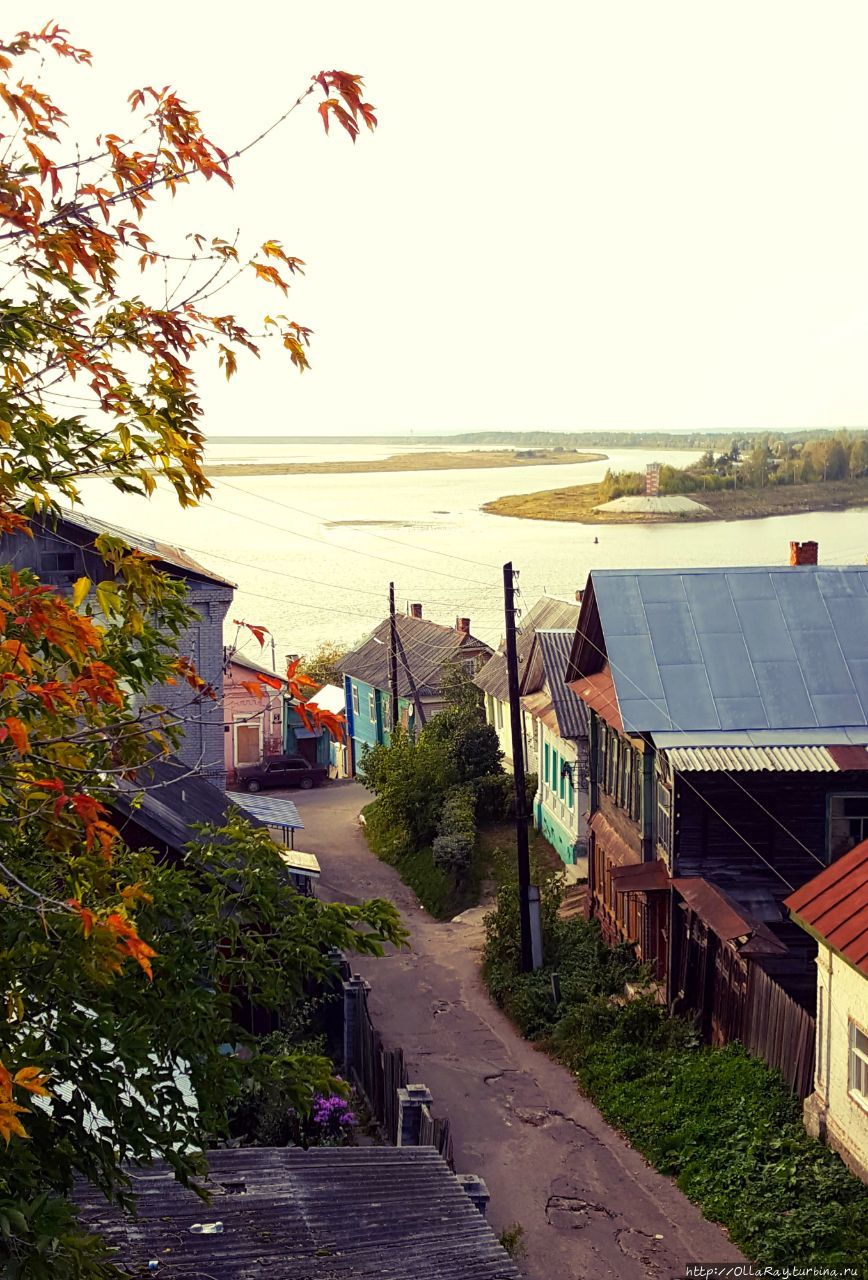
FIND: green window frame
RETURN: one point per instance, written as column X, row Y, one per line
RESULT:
column 546, row 767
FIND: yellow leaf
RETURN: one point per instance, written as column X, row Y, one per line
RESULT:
column 80, row 590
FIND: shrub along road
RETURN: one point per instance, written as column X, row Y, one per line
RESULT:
column 588, row 1204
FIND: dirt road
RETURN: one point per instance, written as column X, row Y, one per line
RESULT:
column 589, row 1205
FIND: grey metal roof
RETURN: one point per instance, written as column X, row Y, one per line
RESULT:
column 428, row 648
column 346, row 1213
column 546, row 613
column 166, row 799
column 743, row 648
column 274, row 811
column 571, row 711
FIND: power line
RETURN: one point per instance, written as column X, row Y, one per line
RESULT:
column 483, row 564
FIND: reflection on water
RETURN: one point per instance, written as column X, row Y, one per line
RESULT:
column 313, row 554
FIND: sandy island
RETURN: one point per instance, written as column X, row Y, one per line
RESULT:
column 435, row 460
column 579, row 504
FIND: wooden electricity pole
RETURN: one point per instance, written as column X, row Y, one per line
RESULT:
column 393, row 655
column 518, row 771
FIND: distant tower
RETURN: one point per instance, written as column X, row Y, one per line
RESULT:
column 652, row 480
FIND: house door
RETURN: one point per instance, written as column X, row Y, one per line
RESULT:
column 248, row 742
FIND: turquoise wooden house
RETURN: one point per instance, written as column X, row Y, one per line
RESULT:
column 560, row 720
column 426, row 651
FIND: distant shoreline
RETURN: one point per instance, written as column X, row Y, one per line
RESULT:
column 435, row 460
column 576, row 504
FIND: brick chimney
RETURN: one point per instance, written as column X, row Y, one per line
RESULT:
column 415, row 611
column 462, row 626
column 803, row 553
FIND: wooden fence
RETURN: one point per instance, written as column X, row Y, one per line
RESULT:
column 779, row 1031
column 379, row 1073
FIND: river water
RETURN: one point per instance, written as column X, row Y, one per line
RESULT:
column 313, row 555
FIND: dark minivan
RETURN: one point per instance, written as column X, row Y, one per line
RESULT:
column 282, row 771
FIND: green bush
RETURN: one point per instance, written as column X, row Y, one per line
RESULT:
column 495, row 798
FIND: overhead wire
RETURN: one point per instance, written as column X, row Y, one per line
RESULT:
column 312, row 515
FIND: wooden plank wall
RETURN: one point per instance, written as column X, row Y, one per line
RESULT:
column 779, row 1031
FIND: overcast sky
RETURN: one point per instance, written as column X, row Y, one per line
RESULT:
column 616, row 214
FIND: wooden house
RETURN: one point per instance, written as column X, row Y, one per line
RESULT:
column 833, row 909
column 547, row 614
column 560, row 732
column 426, row 651
column 62, row 549
column 253, row 720
column 728, row 764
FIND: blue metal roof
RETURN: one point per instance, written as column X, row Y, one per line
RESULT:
column 737, row 649
column 271, row 810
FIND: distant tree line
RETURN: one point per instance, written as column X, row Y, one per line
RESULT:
column 717, row 441
column 753, row 462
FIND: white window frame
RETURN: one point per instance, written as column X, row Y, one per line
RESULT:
column 246, row 722
column 857, row 1064
column 355, row 698
column 844, row 795
column 372, row 706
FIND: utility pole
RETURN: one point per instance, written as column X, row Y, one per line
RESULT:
column 518, row 771
column 420, row 710
column 393, row 655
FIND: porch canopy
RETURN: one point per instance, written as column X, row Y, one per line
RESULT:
column 272, row 811
column 640, row 877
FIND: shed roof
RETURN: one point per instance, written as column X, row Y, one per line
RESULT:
column 167, row 798
column 697, row 650
column 164, row 552
column 546, row 613
column 274, row 811
column 834, row 906
column 345, row 1213
column 428, row 648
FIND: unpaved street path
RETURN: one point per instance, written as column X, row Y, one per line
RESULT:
column 589, row 1205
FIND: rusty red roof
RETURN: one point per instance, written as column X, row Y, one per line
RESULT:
column 598, row 691
column 834, row 906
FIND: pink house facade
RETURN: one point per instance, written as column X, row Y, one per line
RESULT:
column 253, row 725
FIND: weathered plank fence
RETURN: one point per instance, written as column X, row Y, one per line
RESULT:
column 779, row 1031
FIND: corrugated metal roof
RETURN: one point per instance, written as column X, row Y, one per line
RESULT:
column 428, row 647
column 834, row 906
column 350, row 1213
column 741, row 648
column 757, row 759
column 572, row 714
column 546, row 613
column 165, row 552
column 272, row 810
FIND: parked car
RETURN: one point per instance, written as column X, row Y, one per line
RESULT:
column 282, row 771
